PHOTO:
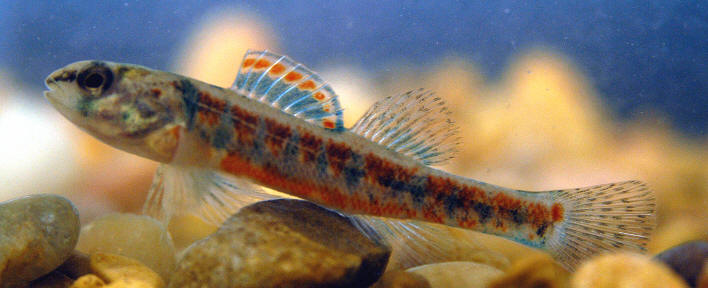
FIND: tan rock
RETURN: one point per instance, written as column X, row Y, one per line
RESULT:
column 625, row 270
column 457, row 274
column 128, row 283
column 88, row 281
column 38, row 233
column 114, row 268
column 283, row 243
column 401, row 279
column 187, row 229
column 539, row 271
column 135, row 236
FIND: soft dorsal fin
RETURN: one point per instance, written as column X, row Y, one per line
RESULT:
column 415, row 123
column 290, row 86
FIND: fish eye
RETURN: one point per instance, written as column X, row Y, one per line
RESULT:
column 95, row 77
column 94, row 80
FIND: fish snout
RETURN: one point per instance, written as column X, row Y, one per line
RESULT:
column 61, row 75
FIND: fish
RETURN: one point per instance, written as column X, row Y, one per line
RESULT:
column 280, row 126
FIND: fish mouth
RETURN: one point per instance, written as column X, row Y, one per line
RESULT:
column 51, row 94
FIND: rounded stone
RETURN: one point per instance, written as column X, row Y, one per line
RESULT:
column 535, row 271
column 457, row 274
column 687, row 260
column 283, row 243
column 401, row 279
column 134, row 236
column 625, row 270
column 118, row 270
column 38, row 233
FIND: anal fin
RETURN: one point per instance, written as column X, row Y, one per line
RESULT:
column 416, row 243
column 211, row 195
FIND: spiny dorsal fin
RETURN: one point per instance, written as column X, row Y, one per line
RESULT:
column 415, row 123
column 211, row 195
column 290, row 86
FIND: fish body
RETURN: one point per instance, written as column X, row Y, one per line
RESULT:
column 280, row 126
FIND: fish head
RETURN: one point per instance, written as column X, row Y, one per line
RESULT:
column 120, row 104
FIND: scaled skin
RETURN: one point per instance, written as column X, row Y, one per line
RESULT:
column 174, row 119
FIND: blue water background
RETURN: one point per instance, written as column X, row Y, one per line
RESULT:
column 636, row 53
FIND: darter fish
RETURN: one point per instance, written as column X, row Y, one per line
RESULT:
column 280, row 126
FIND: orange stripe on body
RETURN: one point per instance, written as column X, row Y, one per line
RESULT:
column 305, row 188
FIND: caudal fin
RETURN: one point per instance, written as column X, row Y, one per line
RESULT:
column 617, row 216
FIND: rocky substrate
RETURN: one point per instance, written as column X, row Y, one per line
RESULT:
column 283, row 243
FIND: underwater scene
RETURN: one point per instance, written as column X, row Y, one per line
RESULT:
column 353, row 144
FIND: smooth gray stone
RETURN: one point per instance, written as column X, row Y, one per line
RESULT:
column 37, row 234
column 687, row 260
column 283, row 243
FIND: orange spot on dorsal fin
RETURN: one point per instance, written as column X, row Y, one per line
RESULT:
column 293, row 76
column 261, row 63
column 248, row 62
column 277, row 69
column 307, row 85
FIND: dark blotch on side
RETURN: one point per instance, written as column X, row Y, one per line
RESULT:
column 353, row 170
column 310, row 146
column 276, row 134
column 484, row 211
column 541, row 229
column 452, row 203
column 244, row 124
column 190, row 97
column 338, row 154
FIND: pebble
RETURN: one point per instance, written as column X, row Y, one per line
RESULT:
column 283, row 243
column 457, row 274
column 54, row 279
column 625, row 270
column 401, row 279
column 533, row 272
column 134, row 236
column 117, row 271
column 703, row 279
column 38, row 234
column 76, row 266
column 88, row 281
column 686, row 259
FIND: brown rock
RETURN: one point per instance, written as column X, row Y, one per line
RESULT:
column 625, row 270
column 54, row 279
column 703, row 279
column 135, row 236
column 115, row 268
column 457, row 274
column 539, row 271
column 38, row 234
column 88, row 281
column 401, row 279
column 686, row 259
column 76, row 266
column 283, row 243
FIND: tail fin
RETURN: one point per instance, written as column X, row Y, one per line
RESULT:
column 600, row 218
